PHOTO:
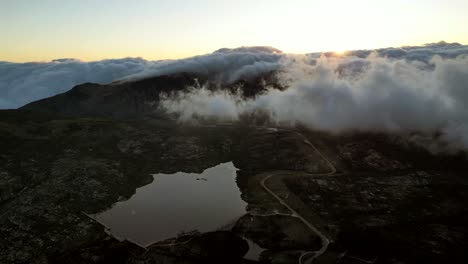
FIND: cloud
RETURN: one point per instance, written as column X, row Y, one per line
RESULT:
column 254, row 49
column 375, row 93
column 224, row 65
column 402, row 90
column 21, row 83
column 411, row 53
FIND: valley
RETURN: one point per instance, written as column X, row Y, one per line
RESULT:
column 306, row 202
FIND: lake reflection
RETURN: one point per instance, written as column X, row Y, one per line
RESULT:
column 178, row 202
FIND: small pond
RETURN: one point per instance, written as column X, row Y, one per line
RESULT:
column 175, row 203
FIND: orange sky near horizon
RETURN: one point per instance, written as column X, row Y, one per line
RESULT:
column 94, row 30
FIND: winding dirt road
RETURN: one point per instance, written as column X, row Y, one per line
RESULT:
column 304, row 258
column 325, row 241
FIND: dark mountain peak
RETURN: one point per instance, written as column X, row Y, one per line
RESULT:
column 132, row 98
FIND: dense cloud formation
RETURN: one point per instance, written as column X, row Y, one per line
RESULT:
column 410, row 89
column 21, row 83
column 255, row 49
column 374, row 93
column 225, row 65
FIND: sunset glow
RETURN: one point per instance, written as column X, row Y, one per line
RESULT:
column 90, row 30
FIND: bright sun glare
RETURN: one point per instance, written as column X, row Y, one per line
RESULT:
column 339, row 52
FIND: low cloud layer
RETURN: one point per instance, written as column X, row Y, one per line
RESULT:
column 224, row 65
column 21, row 83
column 375, row 93
column 410, row 89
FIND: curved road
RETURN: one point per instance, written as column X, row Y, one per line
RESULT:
column 325, row 242
column 294, row 213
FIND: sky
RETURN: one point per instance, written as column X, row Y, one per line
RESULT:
column 89, row 30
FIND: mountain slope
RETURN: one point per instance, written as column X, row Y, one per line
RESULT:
column 139, row 97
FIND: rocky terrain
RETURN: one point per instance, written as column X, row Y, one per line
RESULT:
column 56, row 170
column 395, row 203
column 385, row 200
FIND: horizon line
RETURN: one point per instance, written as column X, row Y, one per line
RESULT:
column 243, row 46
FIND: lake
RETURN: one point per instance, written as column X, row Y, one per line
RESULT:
column 175, row 203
